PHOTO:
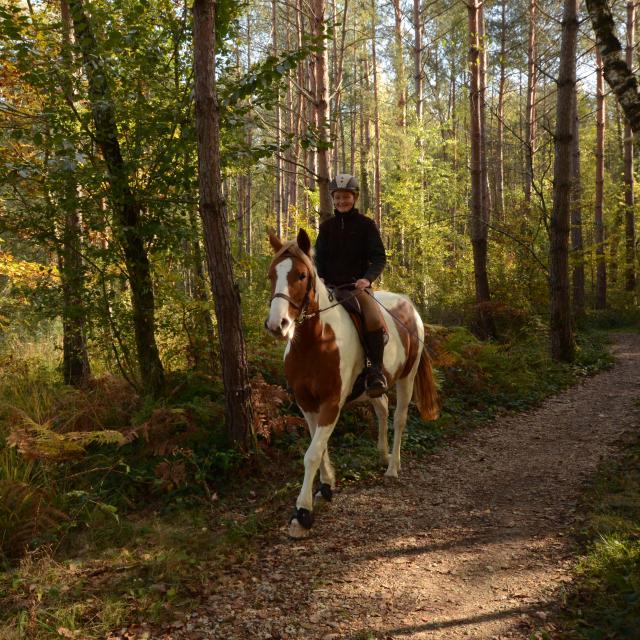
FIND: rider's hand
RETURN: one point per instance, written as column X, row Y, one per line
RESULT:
column 362, row 283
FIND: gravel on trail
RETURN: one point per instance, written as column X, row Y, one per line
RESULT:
column 471, row 542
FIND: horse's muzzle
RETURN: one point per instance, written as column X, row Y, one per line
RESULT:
column 279, row 330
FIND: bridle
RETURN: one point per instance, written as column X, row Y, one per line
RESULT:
column 301, row 307
column 293, row 249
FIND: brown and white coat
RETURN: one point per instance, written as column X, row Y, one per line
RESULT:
column 324, row 356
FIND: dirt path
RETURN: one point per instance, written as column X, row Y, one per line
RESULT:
column 469, row 543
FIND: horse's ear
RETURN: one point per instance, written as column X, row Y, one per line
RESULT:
column 304, row 242
column 274, row 241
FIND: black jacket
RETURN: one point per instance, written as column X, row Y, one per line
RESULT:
column 349, row 247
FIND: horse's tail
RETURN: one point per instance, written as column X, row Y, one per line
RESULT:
column 425, row 394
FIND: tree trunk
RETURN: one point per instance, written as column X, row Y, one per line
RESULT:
column 577, row 248
column 376, row 123
column 601, row 266
column 365, row 138
column 501, row 90
column 337, row 124
column 204, row 354
column 126, row 208
column 486, row 194
column 617, row 73
column 235, row 376
column 629, row 204
column 478, row 226
column 249, row 176
column 75, row 359
column 417, row 57
column 398, row 63
column 322, row 109
column 277, row 201
column 530, row 120
column 614, row 232
column 562, row 346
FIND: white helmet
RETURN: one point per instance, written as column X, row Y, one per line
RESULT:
column 344, row 182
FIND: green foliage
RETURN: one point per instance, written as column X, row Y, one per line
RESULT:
column 604, row 599
column 612, row 319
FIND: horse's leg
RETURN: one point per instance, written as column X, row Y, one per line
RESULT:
column 381, row 408
column 327, row 474
column 404, row 389
column 302, row 521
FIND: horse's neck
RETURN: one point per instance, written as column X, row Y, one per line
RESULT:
column 328, row 311
column 332, row 311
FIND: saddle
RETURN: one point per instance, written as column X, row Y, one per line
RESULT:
column 352, row 306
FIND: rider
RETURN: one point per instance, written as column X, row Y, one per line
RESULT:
column 349, row 251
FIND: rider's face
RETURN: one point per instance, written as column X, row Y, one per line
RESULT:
column 343, row 201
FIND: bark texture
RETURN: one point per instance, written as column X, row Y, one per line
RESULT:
column 601, row 265
column 562, row 345
column 616, row 71
column 530, row 121
column 629, row 200
column 321, row 107
column 216, row 234
column 577, row 248
column 75, row 359
column 501, row 94
column 376, row 123
column 417, row 57
column 478, row 226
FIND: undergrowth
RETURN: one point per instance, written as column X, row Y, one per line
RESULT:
column 603, row 601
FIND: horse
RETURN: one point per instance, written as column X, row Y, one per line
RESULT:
column 324, row 356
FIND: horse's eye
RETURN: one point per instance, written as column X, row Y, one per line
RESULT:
column 302, row 276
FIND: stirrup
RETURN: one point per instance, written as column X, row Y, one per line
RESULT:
column 376, row 384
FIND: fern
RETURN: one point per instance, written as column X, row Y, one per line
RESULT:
column 41, row 442
column 14, row 467
column 24, row 517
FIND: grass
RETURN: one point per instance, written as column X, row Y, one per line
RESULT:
column 603, row 601
column 136, row 532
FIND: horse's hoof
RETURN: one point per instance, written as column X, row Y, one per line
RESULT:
column 325, row 491
column 297, row 531
column 303, row 516
column 391, row 476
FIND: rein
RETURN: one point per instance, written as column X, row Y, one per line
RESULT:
column 293, row 249
column 304, row 316
column 302, row 307
column 395, row 317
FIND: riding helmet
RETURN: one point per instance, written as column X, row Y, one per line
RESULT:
column 344, row 182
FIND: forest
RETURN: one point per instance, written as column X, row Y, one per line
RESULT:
column 147, row 150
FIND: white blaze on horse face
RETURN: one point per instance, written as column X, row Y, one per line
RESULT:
column 280, row 320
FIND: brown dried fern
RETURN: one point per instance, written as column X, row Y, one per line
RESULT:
column 25, row 516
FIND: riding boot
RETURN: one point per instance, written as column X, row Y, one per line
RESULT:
column 376, row 383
